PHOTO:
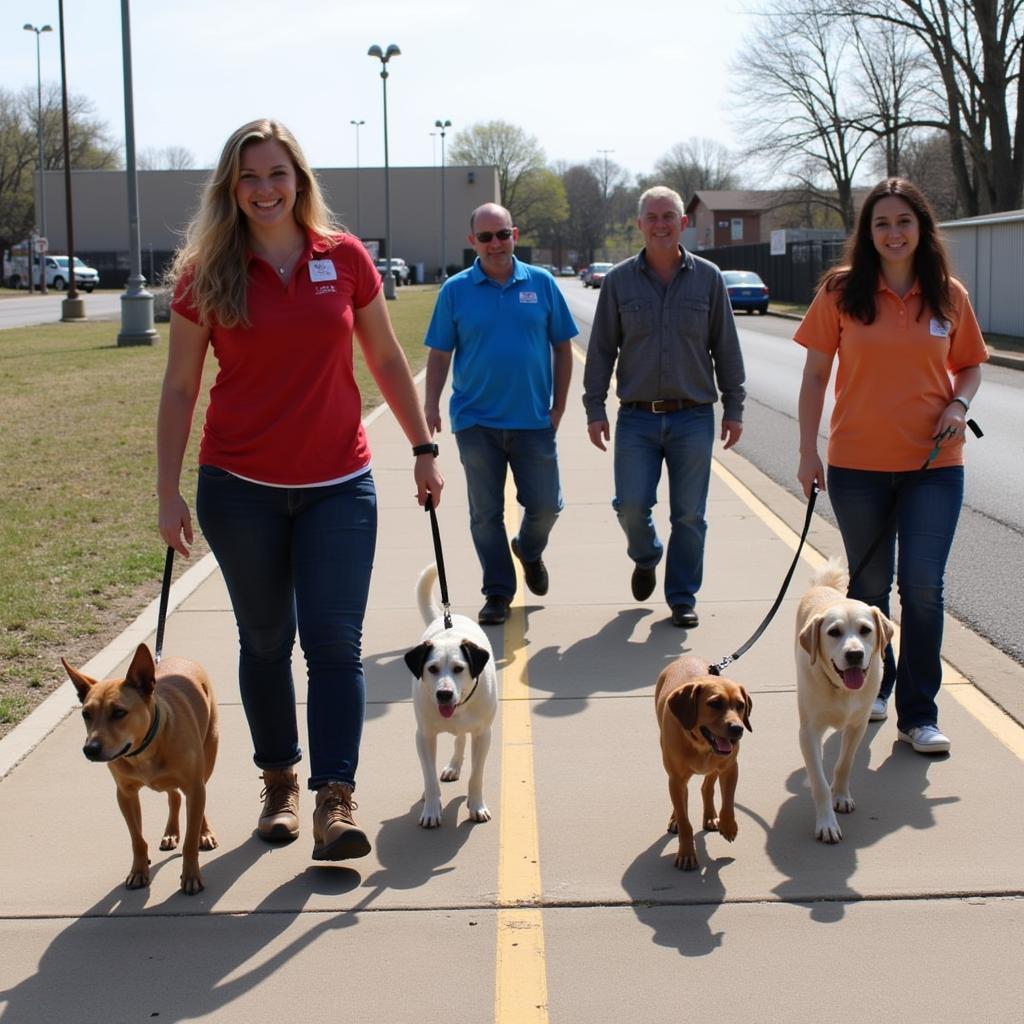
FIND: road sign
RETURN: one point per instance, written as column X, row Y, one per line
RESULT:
column 41, row 245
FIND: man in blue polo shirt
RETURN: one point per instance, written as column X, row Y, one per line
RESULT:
column 509, row 328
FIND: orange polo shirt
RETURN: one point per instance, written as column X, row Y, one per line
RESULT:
column 894, row 377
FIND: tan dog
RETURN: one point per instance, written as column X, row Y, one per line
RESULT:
column 157, row 727
column 839, row 647
column 702, row 718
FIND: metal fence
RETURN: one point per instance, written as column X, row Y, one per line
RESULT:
column 790, row 278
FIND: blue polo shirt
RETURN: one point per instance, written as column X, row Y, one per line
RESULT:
column 501, row 336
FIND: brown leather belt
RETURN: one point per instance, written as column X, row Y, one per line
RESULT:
column 662, row 405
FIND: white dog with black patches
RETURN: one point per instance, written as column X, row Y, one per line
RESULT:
column 455, row 691
column 839, row 648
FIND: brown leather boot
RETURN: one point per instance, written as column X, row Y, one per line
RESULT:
column 279, row 819
column 336, row 836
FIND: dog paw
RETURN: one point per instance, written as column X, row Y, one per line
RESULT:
column 827, row 830
column 672, row 827
column 479, row 812
column 843, row 803
column 208, row 841
column 727, row 829
column 431, row 815
column 451, row 773
column 137, row 878
column 687, row 861
column 191, row 884
column 170, row 841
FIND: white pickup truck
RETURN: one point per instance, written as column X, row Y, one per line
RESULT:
column 16, row 271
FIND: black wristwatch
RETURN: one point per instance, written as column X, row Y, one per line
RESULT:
column 425, row 449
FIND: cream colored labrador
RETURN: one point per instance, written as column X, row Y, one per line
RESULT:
column 839, row 647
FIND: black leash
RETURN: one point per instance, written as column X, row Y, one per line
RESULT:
column 165, row 593
column 439, row 559
column 716, row 669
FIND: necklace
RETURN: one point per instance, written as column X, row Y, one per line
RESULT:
column 283, row 267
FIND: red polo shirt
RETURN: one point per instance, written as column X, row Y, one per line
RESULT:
column 894, row 377
column 285, row 408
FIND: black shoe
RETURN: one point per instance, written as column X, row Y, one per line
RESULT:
column 642, row 583
column 494, row 611
column 685, row 617
column 535, row 573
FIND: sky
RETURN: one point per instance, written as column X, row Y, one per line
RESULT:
column 633, row 77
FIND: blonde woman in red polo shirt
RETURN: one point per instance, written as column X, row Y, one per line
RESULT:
column 286, row 500
column 910, row 353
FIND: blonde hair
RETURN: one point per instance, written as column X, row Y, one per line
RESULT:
column 217, row 238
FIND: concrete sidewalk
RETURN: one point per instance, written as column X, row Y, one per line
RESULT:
column 566, row 906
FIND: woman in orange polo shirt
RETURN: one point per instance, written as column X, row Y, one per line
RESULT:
column 909, row 350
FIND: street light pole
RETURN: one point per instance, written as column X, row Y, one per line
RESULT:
column 136, row 303
column 359, row 216
column 73, row 306
column 42, row 164
column 384, row 56
column 604, row 194
column 444, row 200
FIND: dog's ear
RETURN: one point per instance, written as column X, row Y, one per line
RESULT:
column 748, row 704
column 142, row 671
column 83, row 684
column 416, row 659
column 475, row 655
column 684, row 702
column 809, row 637
column 886, row 627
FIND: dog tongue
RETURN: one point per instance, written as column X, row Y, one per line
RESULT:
column 853, row 678
column 447, row 710
column 722, row 745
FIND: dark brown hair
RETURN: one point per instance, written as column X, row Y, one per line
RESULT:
column 857, row 277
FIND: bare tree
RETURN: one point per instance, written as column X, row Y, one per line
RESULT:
column 977, row 48
column 505, row 146
column 584, row 229
column 165, row 158
column 693, row 165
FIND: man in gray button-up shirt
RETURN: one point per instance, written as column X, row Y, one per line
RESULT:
column 664, row 316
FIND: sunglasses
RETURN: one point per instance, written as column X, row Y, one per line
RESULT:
column 485, row 236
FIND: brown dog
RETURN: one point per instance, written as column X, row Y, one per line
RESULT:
column 702, row 718
column 157, row 727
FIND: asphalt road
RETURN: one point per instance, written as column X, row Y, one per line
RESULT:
column 987, row 562
column 24, row 310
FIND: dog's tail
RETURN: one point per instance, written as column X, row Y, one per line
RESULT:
column 425, row 594
column 834, row 574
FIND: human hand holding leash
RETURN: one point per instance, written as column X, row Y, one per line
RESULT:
column 175, row 523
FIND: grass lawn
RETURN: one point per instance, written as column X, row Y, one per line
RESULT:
column 79, row 549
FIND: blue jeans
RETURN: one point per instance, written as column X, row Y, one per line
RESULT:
column 487, row 454
column 927, row 509
column 683, row 441
column 296, row 558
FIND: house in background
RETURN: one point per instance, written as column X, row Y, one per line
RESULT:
column 727, row 218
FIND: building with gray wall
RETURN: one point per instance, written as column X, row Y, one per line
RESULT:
column 168, row 199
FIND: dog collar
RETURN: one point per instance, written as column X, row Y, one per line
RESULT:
column 148, row 738
column 470, row 694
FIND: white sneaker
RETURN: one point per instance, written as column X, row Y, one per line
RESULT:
column 925, row 739
column 879, row 710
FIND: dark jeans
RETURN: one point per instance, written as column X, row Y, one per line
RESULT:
column 487, row 454
column 928, row 507
column 296, row 558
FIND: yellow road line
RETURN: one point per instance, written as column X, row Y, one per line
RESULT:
column 969, row 697
column 520, row 987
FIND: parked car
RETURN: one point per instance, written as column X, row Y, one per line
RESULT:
column 567, row 271
column 746, row 291
column 595, row 274
column 57, row 275
column 398, row 267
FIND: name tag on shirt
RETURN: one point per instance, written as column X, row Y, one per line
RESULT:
column 323, row 270
column 938, row 328
column 528, row 297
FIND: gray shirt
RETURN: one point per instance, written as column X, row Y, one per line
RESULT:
column 670, row 342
